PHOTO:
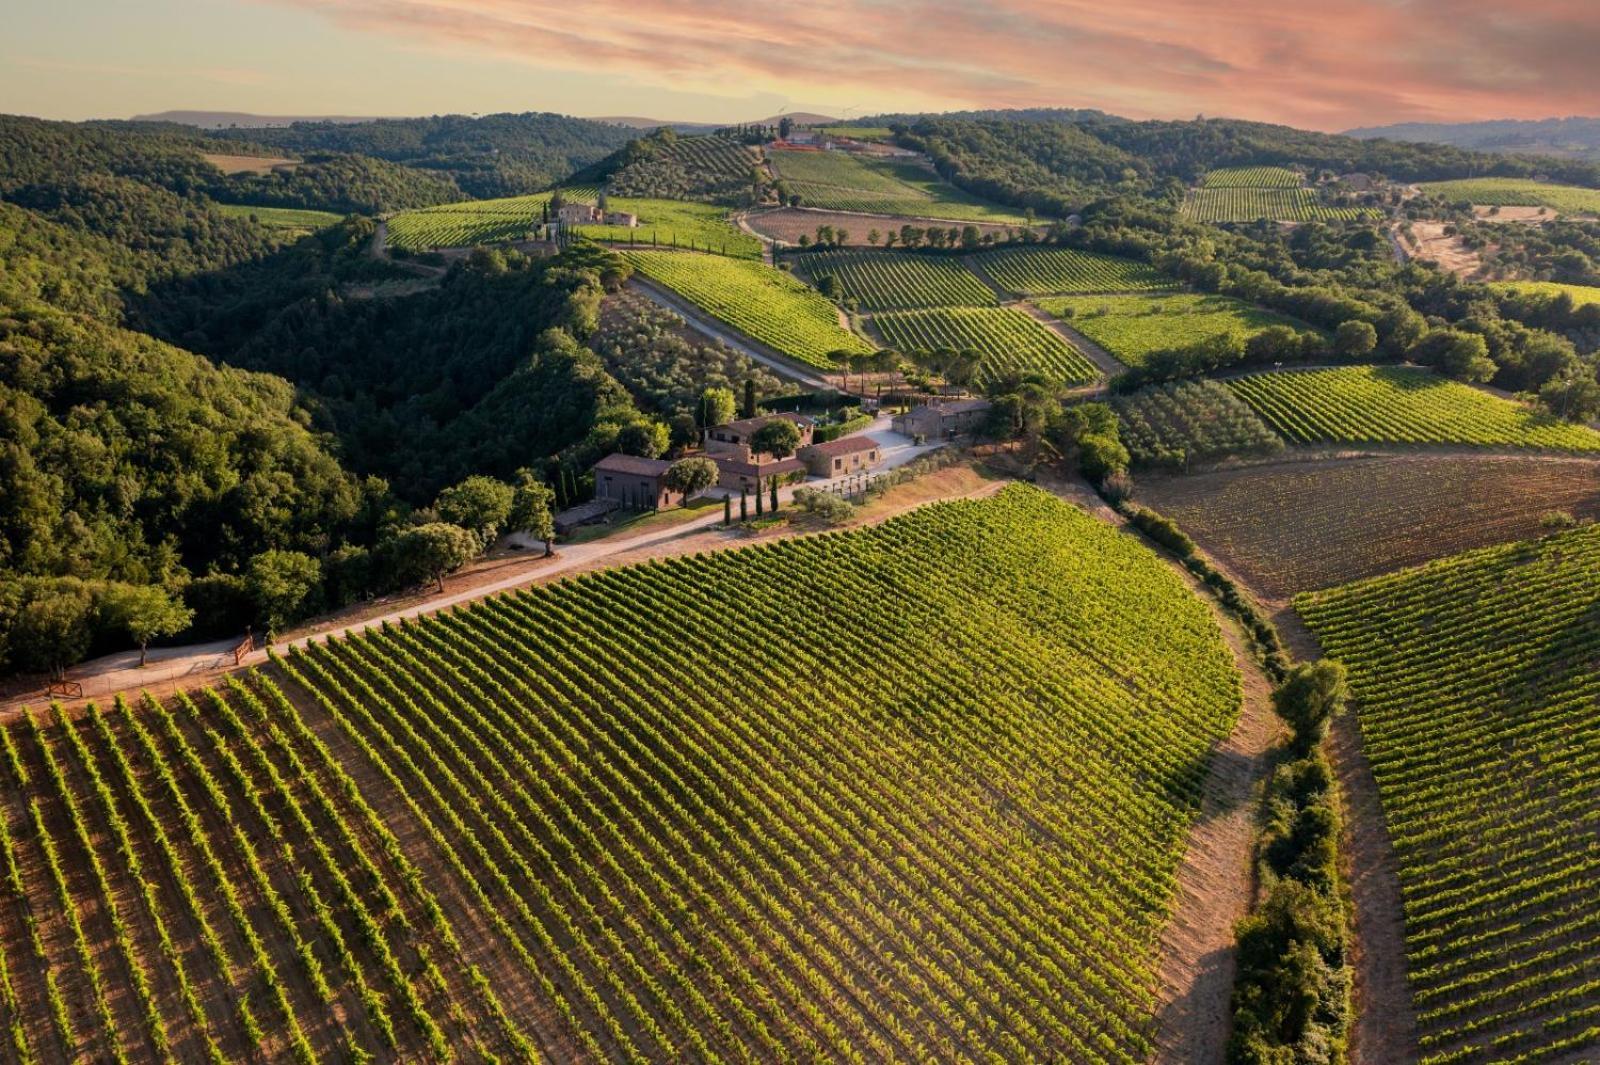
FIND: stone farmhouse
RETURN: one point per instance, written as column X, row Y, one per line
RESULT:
column 738, row 465
column 634, row 482
column 842, row 457
column 942, row 420
column 587, row 214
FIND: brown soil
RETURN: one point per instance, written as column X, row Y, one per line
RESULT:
column 789, row 224
column 1532, row 215
column 1216, row 882
column 1430, row 244
column 248, row 164
column 1295, row 525
column 1384, row 1029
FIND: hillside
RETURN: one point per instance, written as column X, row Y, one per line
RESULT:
column 997, row 758
column 484, row 156
column 1569, row 137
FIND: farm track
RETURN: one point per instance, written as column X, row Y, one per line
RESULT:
column 719, row 330
column 1216, row 882
column 1103, row 359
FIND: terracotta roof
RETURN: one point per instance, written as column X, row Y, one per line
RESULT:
column 845, row 445
column 766, row 469
column 745, row 426
column 960, row 406
column 632, row 464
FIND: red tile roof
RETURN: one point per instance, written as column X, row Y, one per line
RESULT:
column 632, row 464
column 845, row 445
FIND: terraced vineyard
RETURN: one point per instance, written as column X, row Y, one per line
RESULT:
column 1252, row 177
column 1294, row 527
column 688, row 168
column 838, row 181
column 1248, row 204
column 1133, row 327
column 1400, row 405
column 1009, row 340
column 888, row 280
column 523, row 830
column 1042, row 271
column 1517, row 192
column 1476, row 686
column 766, row 304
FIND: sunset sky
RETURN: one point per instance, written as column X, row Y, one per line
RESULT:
column 1328, row 65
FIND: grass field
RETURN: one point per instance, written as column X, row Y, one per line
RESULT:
column 1297, row 526
column 1184, row 423
column 1132, row 327
column 664, row 223
column 1517, row 192
column 292, row 219
column 891, row 280
column 1400, row 405
column 837, row 181
column 766, row 304
column 1009, row 340
column 1252, row 177
column 1043, row 271
column 1250, row 203
column 1475, row 681
column 1581, row 295
column 679, row 811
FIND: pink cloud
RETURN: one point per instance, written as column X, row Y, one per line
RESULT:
column 1325, row 65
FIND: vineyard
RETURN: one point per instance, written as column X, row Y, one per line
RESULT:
column 1296, row 526
column 1249, row 204
column 1400, row 405
column 455, row 225
column 291, row 219
column 766, row 304
column 1581, row 295
column 837, row 181
column 1516, row 192
column 1009, row 341
column 664, row 223
column 1252, row 177
column 887, row 280
column 933, row 810
column 1132, row 327
column 1189, row 422
column 688, row 168
column 1476, row 686
column 1040, row 271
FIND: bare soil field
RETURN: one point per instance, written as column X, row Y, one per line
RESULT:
column 249, row 164
column 789, row 224
column 1531, row 215
column 1430, row 244
column 1295, row 526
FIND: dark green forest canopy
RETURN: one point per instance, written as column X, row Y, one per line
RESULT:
column 487, row 156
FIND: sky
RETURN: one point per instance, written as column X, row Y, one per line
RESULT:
column 1328, row 65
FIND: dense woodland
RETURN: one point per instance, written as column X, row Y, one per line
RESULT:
column 202, row 405
column 487, row 156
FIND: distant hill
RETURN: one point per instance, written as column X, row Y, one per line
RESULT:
column 243, row 119
column 799, row 118
column 1570, row 138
